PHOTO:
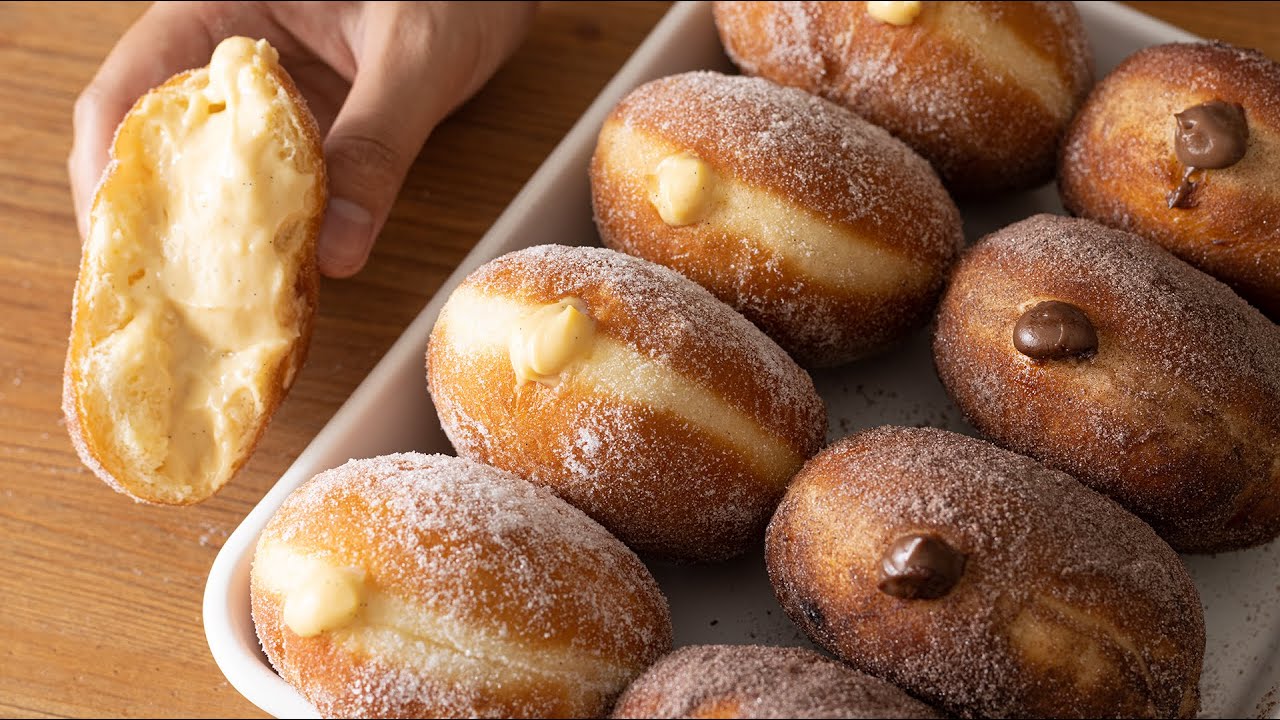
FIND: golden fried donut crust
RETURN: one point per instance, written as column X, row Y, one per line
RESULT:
column 813, row 160
column 951, row 84
column 662, row 480
column 756, row 681
column 1068, row 606
column 1118, row 164
column 292, row 121
column 1174, row 416
column 485, row 563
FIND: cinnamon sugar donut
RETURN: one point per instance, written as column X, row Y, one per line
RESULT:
column 1100, row 354
column 984, row 90
column 984, row 583
column 754, row 681
column 1181, row 144
column 825, row 231
column 429, row 586
column 629, row 391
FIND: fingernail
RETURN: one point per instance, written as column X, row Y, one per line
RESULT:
column 345, row 238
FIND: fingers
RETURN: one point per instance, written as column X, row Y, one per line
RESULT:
column 415, row 64
column 165, row 40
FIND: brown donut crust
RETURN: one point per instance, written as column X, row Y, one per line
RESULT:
column 1174, row 416
column 546, row 579
column 984, row 132
column 1068, row 606
column 660, row 482
column 1118, row 164
column 756, row 681
column 823, row 161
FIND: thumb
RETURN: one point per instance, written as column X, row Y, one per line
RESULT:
column 374, row 139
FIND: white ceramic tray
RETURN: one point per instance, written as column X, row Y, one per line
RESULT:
column 729, row 603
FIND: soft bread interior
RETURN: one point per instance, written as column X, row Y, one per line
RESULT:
column 197, row 284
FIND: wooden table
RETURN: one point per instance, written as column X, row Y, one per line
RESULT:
column 100, row 598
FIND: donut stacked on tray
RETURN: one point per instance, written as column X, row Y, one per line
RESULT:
column 650, row 396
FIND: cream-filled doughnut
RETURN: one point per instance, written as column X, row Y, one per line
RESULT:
column 825, row 231
column 985, row 583
column 430, row 586
column 1101, row 354
column 627, row 389
column 198, row 284
column 984, row 90
column 755, row 681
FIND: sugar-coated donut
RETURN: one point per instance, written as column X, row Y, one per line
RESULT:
column 982, row 582
column 755, row 681
column 1181, row 144
column 983, row 90
column 1100, row 354
column 630, row 391
column 825, row 231
column 429, row 586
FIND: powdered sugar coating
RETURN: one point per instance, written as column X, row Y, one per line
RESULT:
column 1118, row 164
column 755, row 681
column 817, row 154
column 660, row 481
column 1174, row 416
column 829, row 164
column 930, row 82
column 505, row 563
column 1045, row 557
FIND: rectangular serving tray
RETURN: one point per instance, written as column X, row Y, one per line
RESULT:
column 732, row 602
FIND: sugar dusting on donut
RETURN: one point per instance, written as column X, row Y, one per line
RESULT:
column 756, row 681
column 1198, row 326
column 829, row 150
column 830, row 164
column 438, row 531
column 1030, row 533
column 677, row 326
column 952, row 84
column 679, row 322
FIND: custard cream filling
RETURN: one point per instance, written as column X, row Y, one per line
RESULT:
column 194, row 276
column 1001, row 51
column 824, row 253
column 475, row 323
column 406, row 634
column 895, row 12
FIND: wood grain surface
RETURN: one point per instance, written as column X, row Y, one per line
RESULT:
column 100, row 598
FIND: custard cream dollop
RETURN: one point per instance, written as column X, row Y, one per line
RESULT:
column 683, row 189
column 327, row 598
column 895, row 13
column 549, row 339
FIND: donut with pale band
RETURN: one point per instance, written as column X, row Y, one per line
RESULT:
column 1181, row 144
column 985, row 583
column 1100, row 354
column 755, row 681
column 825, row 231
column 983, row 90
column 429, row 586
column 628, row 390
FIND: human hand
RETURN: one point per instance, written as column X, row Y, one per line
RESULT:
column 377, row 76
